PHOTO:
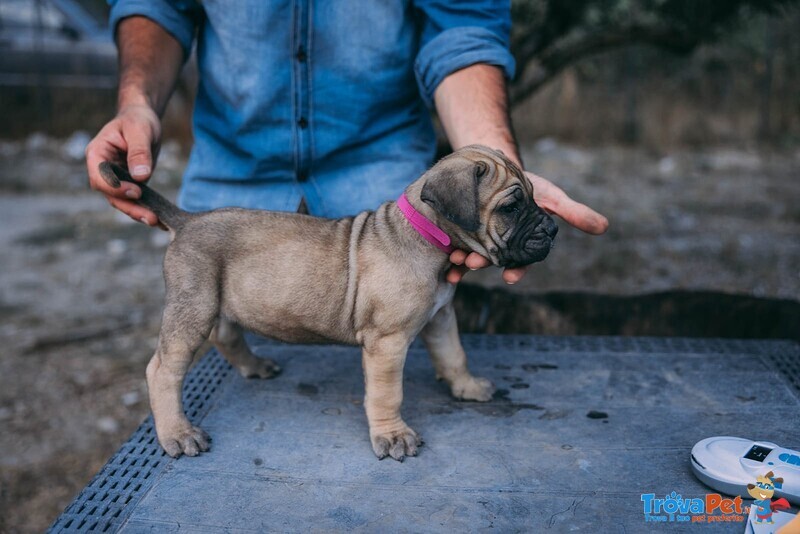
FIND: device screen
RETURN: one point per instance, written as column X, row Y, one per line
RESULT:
column 757, row 453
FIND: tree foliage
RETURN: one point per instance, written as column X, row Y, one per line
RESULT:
column 549, row 35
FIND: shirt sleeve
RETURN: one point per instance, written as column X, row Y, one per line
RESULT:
column 455, row 35
column 178, row 17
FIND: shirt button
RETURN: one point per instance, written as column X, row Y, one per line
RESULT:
column 301, row 54
column 302, row 176
column 302, row 122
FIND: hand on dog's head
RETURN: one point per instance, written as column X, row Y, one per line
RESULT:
column 485, row 202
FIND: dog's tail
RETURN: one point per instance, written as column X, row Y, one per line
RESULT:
column 168, row 213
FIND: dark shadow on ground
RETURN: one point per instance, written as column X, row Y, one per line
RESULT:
column 667, row 313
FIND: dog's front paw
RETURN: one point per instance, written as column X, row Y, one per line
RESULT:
column 473, row 388
column 260, row 368
column 397, row 444
column 184, row 439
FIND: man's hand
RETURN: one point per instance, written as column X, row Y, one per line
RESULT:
column 553, row 200
column 150, row 60
column 472, row 104
column 131, row 140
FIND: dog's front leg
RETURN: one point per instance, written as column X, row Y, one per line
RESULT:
column 444, row 346
column 383, row 360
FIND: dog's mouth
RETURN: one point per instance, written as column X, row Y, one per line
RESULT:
column 538, row 247
column 533, row 246
column 535, row 250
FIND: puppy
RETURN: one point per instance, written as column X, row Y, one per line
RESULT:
column 376, row 280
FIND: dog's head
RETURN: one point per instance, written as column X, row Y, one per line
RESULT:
column 764, row 488
column 485, row 203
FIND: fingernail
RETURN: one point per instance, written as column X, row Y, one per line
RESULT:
column 130, row 193
column 140, row 170
column 144, row 220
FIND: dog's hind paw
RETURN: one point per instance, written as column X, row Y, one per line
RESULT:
column 397, row 444
column 259, row 368
column 473, row 388
column 191, row 441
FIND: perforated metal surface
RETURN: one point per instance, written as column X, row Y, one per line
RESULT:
column 785, row 358
column 106, row 504
column 113, row 493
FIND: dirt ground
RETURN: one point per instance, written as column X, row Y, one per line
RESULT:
column 81, row 289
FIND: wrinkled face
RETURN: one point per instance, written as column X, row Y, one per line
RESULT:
column 490, row 202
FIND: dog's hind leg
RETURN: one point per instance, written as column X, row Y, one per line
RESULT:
column 441, row 338
column 189, row 314
column 228, row 337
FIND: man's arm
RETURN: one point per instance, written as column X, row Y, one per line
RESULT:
column 472, row 104
column 150, row 60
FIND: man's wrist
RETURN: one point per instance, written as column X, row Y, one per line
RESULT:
column 507, row 147
column 130, row 96
column 501, row 143
column 473, row 106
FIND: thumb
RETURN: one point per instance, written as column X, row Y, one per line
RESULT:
column 581, row 216
column 140, row 154
column 553, row 199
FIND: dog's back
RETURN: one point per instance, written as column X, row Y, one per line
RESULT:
column 264, row 285
column 252, row 256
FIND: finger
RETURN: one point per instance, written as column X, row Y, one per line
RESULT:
column 455, row 274
column 476, row 261
column 553, row 199
column 576, row 214
column 581, row 216
column 457, row 257
column 512, row 276
column 140, row 156
column 134, row 211
column 95, row 156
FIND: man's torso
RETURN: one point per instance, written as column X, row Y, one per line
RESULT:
column 301, row 99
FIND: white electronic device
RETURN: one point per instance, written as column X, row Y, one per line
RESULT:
column 729, row 464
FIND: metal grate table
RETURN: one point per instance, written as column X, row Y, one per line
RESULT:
column 581, row 427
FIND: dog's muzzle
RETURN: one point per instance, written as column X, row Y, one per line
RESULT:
column 532, row 242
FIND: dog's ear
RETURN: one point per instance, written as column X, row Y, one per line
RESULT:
column 454, row 194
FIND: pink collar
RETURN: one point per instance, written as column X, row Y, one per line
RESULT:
column 426, row 228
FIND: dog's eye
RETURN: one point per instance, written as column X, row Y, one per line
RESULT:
column 510, row 208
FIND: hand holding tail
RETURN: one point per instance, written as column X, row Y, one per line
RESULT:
column 169, row 215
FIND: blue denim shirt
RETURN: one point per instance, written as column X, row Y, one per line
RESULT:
column 325, row 100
